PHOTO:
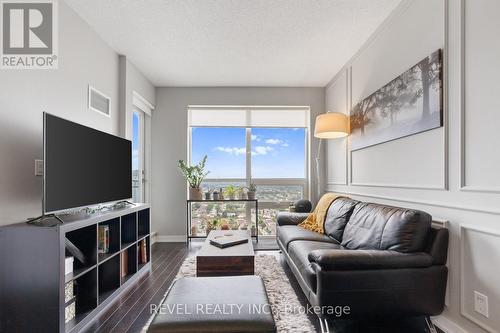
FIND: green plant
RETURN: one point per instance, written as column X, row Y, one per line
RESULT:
column 230, row 190
column 195, row 173
column 252, row 187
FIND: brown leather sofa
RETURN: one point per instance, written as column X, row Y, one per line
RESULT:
column 375, row 260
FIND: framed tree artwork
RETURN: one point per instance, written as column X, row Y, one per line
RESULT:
column 411, row 103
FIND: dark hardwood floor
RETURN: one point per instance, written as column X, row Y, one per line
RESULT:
column 131, row 310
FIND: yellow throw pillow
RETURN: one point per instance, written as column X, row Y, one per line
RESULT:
column 316, row 219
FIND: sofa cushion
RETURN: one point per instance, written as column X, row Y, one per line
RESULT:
column 336, row 219
column 299, row 251
column 289, row 233
column 380, row 227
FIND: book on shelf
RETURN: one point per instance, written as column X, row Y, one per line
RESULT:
column 103, row 244
column 124, row 264
column 143, row 255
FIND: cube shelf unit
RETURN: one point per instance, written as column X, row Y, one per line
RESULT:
column 34, row 268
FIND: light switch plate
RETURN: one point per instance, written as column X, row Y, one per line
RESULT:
column 38, row 167
column 481, row 304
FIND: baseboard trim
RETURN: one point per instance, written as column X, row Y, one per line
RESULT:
column 170, row 239
column 447, row 325
column 153, row 236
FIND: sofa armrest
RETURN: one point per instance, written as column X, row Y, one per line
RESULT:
column 368, row 259
column 291, row 218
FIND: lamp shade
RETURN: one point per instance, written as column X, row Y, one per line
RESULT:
column 331, row 125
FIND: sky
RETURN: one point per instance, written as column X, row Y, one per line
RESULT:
column 275, row 153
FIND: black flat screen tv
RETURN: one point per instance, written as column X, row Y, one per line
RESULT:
column 83, row 166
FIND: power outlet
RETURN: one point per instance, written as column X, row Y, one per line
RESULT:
column 38, row 167
column 481, row 304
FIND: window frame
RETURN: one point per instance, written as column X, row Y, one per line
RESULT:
column 303, row 182
column 141, row 130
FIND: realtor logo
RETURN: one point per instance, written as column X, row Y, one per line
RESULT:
column 29, row 34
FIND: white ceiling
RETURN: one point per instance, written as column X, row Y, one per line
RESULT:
column 236, row 42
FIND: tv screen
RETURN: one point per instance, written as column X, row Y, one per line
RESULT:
column 83, row 166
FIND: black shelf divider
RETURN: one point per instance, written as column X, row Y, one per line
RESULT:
column 128, row 229
column 109, row 278
column 143, row 223
column 85, row 239
column 103, row 257
column 85, row 289
column 127, row 245
column 77, row 273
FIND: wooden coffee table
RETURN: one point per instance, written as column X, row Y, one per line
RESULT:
column 233, row 260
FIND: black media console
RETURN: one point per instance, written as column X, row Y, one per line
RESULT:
column 32, row 276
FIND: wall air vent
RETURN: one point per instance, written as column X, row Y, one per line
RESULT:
column 99, row 102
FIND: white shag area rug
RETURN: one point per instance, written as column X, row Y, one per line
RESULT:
column 289, row 314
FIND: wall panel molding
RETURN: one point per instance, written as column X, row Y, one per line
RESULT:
column 403, row 186
column 421, row 202
column 444, row 185
column 463, row 311
column 463, row 110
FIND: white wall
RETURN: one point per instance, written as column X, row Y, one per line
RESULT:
column 84, row 58
column 424, row 171
column 132, row 80
column 169, row 137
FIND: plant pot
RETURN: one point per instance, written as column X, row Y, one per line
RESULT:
column 207, row 195
column 243, row 196
column 195, row 194
column 194, row 230
column 251, row 195
column 231, row 197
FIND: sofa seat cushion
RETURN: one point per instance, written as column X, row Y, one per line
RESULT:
column 380, row 227
column 337, row 217
column 290, row 233
column 299, row 250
